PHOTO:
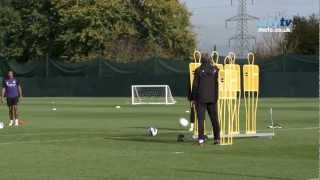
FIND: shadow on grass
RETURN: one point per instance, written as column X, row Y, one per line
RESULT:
column 146, row 139
column 162, row 128
column 143, row 140
column 232, row 174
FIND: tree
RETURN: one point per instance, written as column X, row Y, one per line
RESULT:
column 304, row 38
column 23, row 30
column 120, row 30
column 270, row 44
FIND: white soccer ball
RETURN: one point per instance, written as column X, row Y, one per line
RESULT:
column 118, row 107
column 183, row 122
column 152, row 131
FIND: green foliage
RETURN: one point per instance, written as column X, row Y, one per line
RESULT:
column 304, row 39
column 121, row 30
column 23, row 30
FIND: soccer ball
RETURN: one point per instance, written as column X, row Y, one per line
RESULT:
column 152, row 131
column 183, row 122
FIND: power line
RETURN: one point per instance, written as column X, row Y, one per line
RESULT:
column 241, row 39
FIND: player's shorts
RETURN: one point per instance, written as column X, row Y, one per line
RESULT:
column 12, row 101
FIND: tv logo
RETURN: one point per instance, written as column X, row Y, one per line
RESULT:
column 275, row 25
column 285, row 22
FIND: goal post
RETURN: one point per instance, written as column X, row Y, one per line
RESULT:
column 151, row 94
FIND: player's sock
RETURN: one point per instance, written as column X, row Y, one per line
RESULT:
column 16, row 122
column 11, row 123
column 191, row 127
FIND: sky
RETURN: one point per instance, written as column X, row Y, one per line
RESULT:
column 208, row 18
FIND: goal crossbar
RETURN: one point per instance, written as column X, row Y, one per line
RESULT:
column 151, row 94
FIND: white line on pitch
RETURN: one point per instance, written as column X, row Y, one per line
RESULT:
column 178, row 152
column 289, row 129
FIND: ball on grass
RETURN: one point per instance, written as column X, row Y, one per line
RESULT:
column 152, row 131
column 183, row 122
column 118, row 107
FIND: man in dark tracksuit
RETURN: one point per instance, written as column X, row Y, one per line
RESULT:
column 205, row 95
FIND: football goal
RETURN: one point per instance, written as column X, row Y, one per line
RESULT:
column 151, row 94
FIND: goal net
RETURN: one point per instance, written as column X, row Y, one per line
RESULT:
column 151, row 94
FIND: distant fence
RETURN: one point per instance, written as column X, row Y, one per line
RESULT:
column 284, row 76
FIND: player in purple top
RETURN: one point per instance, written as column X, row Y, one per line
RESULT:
column 11, row 89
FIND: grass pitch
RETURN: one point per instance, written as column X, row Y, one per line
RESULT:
column 88, row 138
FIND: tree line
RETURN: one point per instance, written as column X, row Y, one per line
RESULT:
column 304, row 38
column 74, row 30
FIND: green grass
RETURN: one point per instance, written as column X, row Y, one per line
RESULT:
column 88, row 138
